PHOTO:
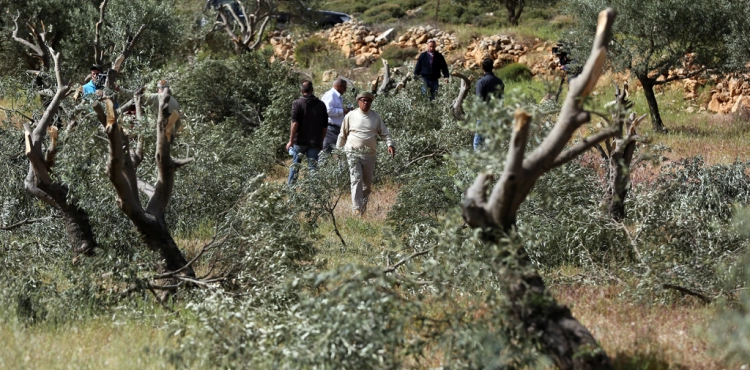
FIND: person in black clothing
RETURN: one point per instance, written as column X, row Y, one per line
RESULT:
column 429, row 65
column 488, row 85
column 308, row 130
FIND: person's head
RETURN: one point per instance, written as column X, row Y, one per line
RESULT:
column 306, row 88
column 431, row 46
column 161, row 85
column 364, row 100
column 340, row 85
column 487, row 65
column 95, row 71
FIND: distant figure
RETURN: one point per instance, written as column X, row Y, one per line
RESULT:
column 308, row 130
column 95, row 83
column 336, row 112
column 488, row 85
column 359, row 136
column 429, row 66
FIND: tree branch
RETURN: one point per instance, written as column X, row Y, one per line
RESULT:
column 24, row 222
column 407, row 259
column 98, row 52
column 457, row 109
column 584, row 145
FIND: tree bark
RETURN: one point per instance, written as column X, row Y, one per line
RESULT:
column 562, row 337
column 121, row 170
column 653, row 107
column 515, row 8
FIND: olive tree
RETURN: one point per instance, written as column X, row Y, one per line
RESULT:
column 562, row 337
column 659, row 42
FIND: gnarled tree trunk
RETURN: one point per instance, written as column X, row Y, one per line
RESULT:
column 653, row 107
column 515, row 8
column 121, row 170
column 561, row 336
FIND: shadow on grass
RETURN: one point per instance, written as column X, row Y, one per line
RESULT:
column 643, row 361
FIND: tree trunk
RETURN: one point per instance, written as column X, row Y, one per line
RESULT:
column 562, row 337
column 515, row 8
column 653, row 107
column 617, row 188
column 77, row 226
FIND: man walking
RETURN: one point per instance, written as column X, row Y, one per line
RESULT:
column 359, row 135
column 336, row 113
column 308, row 130
column 488, row 85
column 429, row 66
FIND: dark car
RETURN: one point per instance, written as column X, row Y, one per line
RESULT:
column 321, row 18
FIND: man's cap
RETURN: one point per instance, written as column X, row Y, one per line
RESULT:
column 365, row 95
column 96, row 67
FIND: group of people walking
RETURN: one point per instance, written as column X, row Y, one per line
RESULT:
column 324, row 124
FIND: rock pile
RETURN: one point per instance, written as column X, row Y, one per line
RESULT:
column 417, row 37
column 357, row 41
column 283, row 46
column 500, row 48
column 549, row 64
column 730, row 95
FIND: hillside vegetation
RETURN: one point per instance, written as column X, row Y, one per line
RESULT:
column 245, row 271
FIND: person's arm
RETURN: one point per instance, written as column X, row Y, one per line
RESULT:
column 341, row 141
column 296, row 118
column 418, row 67
column 478, row 91
column 292, row 133
column 444, row 67
column 333, row 107
column 386, row 136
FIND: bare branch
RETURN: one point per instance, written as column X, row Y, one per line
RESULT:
column 386, row 78
column 24, row 222
column 38, row 49
column 407, row 259
column 584, row 145
column 98, row 52
column 457, row 109
column 687, row 291
column 127, row 48
column 259, row 37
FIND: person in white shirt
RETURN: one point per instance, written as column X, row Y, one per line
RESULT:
column 336, row 112
column 359, row 135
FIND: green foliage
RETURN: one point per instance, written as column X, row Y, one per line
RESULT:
column 307, row 48
column 70, row 27
column 224, row 89
column 382, row 13
column 515, row 72
column 398, row 56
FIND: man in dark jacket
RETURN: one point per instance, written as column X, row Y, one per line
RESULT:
column 429, row 65
column 488, row 85
column 309, row 126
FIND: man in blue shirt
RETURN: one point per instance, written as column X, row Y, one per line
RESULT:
column 488, row 85
column 91, row 86
column 429, row 66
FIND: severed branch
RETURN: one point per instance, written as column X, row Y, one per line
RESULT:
column 24, row 222
column 407, row 259
column 687, row 291
column 457, row 109
column 386, row 78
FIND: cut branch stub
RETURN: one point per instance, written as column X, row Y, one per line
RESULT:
column 457, row 109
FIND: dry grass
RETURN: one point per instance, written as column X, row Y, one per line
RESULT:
column 108, row 343
column 638, row 336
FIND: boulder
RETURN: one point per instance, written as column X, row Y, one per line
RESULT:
column 330, row 75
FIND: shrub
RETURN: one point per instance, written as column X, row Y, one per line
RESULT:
column 397, row 56
column 307, row 48
column 515, row 72
column 383, row 12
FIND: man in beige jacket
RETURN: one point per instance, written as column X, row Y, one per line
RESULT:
column 359, row 135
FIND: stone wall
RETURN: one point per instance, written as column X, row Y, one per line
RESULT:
column 357, row 41
column 417, row 37
column 502, row 49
